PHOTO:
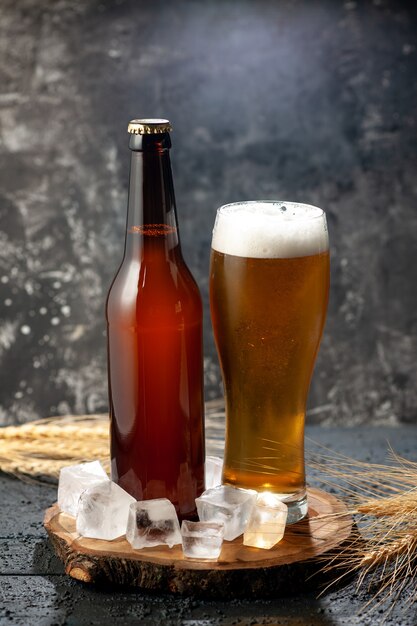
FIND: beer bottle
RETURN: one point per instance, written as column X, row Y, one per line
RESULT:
column 154, row 338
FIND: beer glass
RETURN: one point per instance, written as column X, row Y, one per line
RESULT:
column 269, row 284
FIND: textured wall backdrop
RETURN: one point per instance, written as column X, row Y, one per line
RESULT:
column 307, row 100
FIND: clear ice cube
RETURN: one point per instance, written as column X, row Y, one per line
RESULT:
column 103, row 511
column 202, row 540
column 229, row 505
column 153, row 523
column 266, row 525
column 213, row 471
column 75, row 479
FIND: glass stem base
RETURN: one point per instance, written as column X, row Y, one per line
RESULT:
column 297, row 508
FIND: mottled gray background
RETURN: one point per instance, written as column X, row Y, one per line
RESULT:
column 307, row 100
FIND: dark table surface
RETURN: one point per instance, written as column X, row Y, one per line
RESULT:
column 34, row 589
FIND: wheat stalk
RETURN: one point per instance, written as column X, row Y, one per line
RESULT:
column 383, row 499
column 38, row 450
column 389, row 551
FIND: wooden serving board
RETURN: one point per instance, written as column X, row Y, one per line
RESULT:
column 240, row 571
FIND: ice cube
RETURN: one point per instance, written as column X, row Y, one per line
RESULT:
column 202, row 540
column 75, row 479
column 229, row 505
column 153, row 523
column 103, row 511
column 266, row 525
column 213, row 470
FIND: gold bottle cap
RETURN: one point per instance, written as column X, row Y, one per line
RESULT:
column 149, row 127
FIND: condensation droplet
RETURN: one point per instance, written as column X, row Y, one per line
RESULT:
column 43, row 310
column 25, row 329
column 55, row 321
column 8, row 302
column 4, row 279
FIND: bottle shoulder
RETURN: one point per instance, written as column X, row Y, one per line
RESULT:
column 148, row 291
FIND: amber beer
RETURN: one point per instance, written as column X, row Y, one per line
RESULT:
column 154, row 329
column 269, row 283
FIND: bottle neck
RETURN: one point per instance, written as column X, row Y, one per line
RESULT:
column 151, row 217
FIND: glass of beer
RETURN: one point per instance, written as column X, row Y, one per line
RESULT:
column 269, row 285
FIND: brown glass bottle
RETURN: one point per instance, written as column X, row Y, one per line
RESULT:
column 154, row 330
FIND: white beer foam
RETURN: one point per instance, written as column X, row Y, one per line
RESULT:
column 270, row 230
